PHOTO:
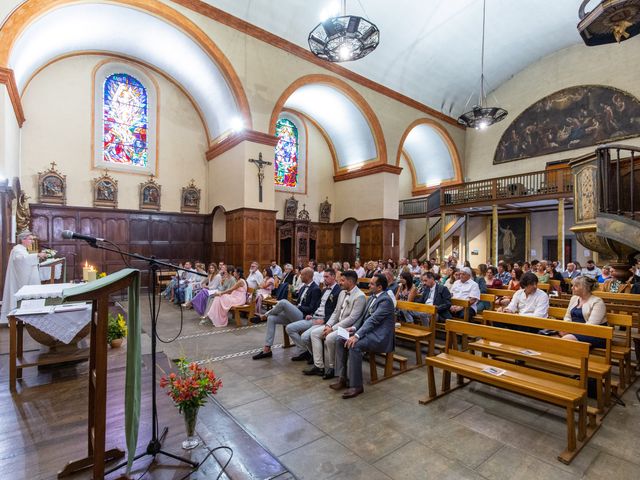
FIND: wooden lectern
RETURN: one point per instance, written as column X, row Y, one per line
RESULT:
column 98, row 292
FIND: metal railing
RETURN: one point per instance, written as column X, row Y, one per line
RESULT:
column 524, row 186
column 619, row 186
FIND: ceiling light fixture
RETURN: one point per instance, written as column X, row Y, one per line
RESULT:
column 344, row 38
column 481, row 116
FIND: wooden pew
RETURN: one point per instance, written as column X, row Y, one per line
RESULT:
column 562, row 391
column 599, row 368
column 417, row 333
column 620, row 308
column 389, row 358
column 620, row 345
column 248, row 308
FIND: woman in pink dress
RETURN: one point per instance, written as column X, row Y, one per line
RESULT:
column 234, row 296
column 265, row 289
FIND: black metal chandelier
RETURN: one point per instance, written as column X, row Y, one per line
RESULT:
column 481, row 116
column 344, row 38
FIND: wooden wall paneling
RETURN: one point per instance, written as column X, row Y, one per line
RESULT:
column 172, row 237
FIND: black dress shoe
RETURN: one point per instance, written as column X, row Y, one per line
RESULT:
column 302, row 357
column 329, row 374
column 352, row 392
column 314, row 371
column 263, row 354
column 258, row 319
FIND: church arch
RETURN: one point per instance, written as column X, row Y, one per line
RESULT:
column 176, row 46
column 349, row 230
column 219, row 224
column 348, row 120
column 431, row 154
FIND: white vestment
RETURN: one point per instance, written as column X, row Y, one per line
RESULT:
column 22, row 269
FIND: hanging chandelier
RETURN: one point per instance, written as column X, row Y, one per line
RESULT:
column 481, row 116
column 344, row 38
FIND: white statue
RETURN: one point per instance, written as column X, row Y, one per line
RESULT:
column 508, row 241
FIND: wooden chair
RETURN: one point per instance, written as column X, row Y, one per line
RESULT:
column 248, row 308
column 569, row 393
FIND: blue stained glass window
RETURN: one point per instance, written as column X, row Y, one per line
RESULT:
column 125, row 121
column 286, row 154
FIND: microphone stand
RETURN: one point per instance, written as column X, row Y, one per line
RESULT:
column 155, row 444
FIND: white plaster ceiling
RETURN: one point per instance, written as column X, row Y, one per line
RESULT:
column 340, row 118
column 429, row 154
column 119, row 29
column 430, row 49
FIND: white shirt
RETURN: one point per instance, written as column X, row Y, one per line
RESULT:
column 361, row 272
column 536, row 304
column 415, row 270
column 466, row 291
column 319, row 313
column 435, row 269
column 432, row 294
column 255, row 279
column 318, row 277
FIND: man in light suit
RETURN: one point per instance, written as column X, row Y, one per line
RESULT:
column 349, row 308
column 377, row 334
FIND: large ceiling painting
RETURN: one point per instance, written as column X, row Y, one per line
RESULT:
column 572, row 118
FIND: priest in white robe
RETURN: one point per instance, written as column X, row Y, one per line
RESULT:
column 22, row 269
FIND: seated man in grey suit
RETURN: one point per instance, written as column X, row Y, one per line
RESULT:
column 376, row 335
column 285, row 312
column 349, row 308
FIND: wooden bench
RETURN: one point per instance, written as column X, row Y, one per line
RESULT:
column 248, row 308
column 563, row 391
column 620, row 345
column 164, row 278
column 620, row 308
column 416, row 333
column 389, row 359
column 599, row 368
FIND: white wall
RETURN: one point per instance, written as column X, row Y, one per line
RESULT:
column 611, row 65
column 545, row 224
column 58, row 109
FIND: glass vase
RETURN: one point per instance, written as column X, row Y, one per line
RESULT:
column 190, row 419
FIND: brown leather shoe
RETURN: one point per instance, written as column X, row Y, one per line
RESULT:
column 339, row 385
column 353, row 392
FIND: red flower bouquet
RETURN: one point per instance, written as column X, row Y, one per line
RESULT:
column 190, row 388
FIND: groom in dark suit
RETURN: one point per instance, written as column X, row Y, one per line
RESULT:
column 376, row 334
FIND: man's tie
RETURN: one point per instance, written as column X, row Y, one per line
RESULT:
column 372, row 300
column 304, row 293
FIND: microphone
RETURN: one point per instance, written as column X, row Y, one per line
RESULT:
column 69, row 235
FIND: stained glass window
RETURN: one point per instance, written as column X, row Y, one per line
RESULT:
column 286, row 158
column 125, row 121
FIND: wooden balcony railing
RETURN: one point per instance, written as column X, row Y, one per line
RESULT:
column 420, row 207
column 523, row 187
column 619, row 175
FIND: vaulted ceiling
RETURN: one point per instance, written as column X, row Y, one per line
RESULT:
column 430, row 49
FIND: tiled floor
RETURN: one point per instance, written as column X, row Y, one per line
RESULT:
column 476, row 432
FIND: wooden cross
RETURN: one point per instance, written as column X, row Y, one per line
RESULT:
column 260, row 164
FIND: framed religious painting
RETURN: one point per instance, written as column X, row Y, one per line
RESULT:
column 105, row 191
column 325, row 211
column 291, row 208
column 52, row 186
column 190, row 200
column 513, row 238
column 150, row 195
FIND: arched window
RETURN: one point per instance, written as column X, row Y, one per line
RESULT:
column 286, row 154
column 125, row 121
column 125, row 112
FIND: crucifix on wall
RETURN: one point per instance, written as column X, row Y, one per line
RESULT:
column 260, row 164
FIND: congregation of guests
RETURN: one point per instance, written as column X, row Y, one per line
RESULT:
column 332, row 321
